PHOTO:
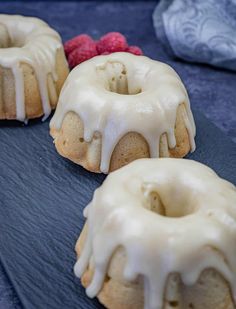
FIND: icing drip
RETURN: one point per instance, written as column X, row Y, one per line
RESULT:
column 197, row 224
column 35, row 43
column 19, row 85
column 122, row 93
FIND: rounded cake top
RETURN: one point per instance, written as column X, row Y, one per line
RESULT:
column 21, row 30
column 170, row 216
column 120, row 93
column 28, row 40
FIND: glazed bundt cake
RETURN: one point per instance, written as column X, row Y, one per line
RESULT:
column 160, row 234
column 117, row 108
column 33, row 67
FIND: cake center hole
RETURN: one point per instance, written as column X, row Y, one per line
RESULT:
column 173, row 209
column 115, row 78
column 18, row 40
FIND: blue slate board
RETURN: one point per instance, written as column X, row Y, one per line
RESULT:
column 42, row 198
column 42, row 195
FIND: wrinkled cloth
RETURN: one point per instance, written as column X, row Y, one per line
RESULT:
column 198, row 30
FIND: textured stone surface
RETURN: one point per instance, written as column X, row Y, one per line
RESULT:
column 42, row 199
column 211, row 90
column 42, row 195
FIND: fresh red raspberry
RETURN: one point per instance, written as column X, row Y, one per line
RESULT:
column 105, row 53
column 134, row 50
column 82, row 53
column 76, row 42
column 112, row 42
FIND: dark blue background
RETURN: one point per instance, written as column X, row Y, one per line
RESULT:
column 42, row 195
column 211, row 90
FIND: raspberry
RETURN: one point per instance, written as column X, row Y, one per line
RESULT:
column 82, row 53
column 112, row 42
column 76, row 42
column 134, row 50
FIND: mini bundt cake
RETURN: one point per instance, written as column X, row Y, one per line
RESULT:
column 117, row 108
column 160, row 234
column 33, row 67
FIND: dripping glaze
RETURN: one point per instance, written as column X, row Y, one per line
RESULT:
column 119, row 215
column 122, row 93
column 33, row 42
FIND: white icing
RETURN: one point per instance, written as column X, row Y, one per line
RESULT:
column 155, row 92
column 36, row 44
column 197, row 233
